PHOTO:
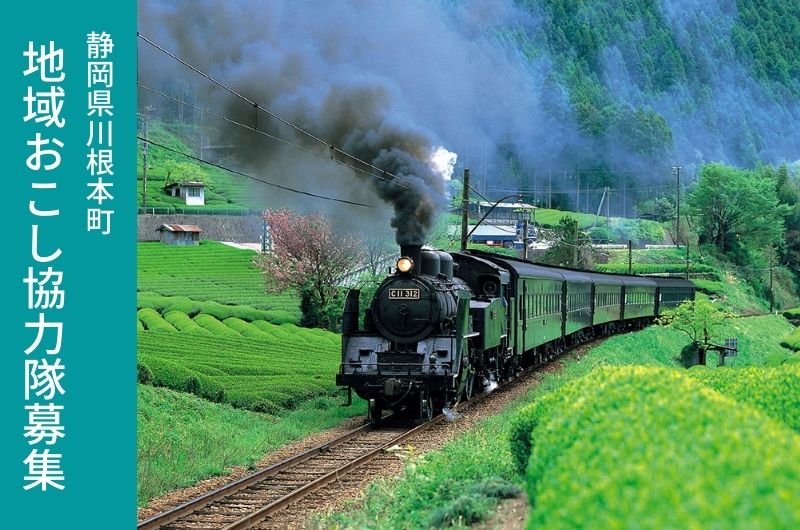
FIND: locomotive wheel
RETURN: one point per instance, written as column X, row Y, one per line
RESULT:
column 375, row 411
column 470, row 386
column 425, row 407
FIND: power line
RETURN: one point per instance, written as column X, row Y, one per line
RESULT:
column 263, row 133
column 333, row 149
column 268, row 183
column 583, row 190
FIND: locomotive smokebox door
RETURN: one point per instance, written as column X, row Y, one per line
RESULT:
column 392, row 387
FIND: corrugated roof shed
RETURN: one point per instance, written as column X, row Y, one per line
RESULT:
column 179, row 228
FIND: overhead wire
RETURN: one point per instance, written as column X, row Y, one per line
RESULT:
column 384, row 175
column 255, row 130
column 237, row 172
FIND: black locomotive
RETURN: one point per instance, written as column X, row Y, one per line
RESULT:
column 445, row 325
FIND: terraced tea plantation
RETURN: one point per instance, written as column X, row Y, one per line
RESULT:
column 207, row 328
column 210, row 271
column 225, row 374
column 255, row 365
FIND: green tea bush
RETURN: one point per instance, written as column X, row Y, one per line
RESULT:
column 178, row 377
column 143, row 374
column 652, row 448
column 776, row 391
column 793, row 315
column 279, row 316
column 276, row 332
column 214, row 326
column 152, row 320
column 183, row 323
column 245, row 329
column 257, row 370
column 792, row 340
column 139, row 325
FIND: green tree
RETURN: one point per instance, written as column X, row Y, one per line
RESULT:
column 736, row 209
column 701, row 320
column 571, row 248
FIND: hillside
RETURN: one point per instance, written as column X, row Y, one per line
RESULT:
column 649, row 83
column 225, row 192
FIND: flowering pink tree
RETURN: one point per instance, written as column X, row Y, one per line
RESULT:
column 308, row 256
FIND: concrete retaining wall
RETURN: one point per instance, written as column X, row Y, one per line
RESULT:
column 235, row 228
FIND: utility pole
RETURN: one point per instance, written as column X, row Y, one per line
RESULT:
column 575, row 247
column 608, row 215
column 676, row 170
column 578, row 195
column 771, row 292
column 464, row 209
column 525, row 239
column 687, row 258
column 630, row 256
column 144, row 165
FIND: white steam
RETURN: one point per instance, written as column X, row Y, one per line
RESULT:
column 442, row 162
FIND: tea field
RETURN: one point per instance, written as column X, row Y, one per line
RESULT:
column 210, row 271
column 657, row 448
column 255, row 365
column 226, row 374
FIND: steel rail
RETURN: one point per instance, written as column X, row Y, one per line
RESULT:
column 165, row 518
column 258, row 516
column 169, row 516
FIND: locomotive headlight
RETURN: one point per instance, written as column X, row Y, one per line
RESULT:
column 405, row 264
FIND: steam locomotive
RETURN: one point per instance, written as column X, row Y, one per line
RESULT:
column 445, row 325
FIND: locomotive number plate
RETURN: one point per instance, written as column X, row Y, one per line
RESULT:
column 403, row 294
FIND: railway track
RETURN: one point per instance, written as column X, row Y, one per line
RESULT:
column 257, row 497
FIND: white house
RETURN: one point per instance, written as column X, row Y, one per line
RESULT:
column 193, row 192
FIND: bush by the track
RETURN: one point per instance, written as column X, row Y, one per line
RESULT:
column 775, row 391
column 656, row 448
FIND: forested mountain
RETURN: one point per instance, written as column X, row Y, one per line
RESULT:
column 650, row 84
column 542, row 96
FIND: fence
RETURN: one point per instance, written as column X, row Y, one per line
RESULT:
column 177, row 210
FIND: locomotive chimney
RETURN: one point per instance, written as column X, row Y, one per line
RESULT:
column 415, row 253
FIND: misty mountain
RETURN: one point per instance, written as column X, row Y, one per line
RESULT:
column 539, row 95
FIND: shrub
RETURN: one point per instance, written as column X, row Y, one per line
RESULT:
column 775, row 391
column 153, row 321
column 654, row 448
column 214, row 326
column 143, row 374
column 793, row 315
column 178, row 377
column 792, row 340
column 183, row 323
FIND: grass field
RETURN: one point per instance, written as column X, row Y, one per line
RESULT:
column 464, row 481
column 183, row 439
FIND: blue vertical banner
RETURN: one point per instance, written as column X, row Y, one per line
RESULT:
column 68, row 365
